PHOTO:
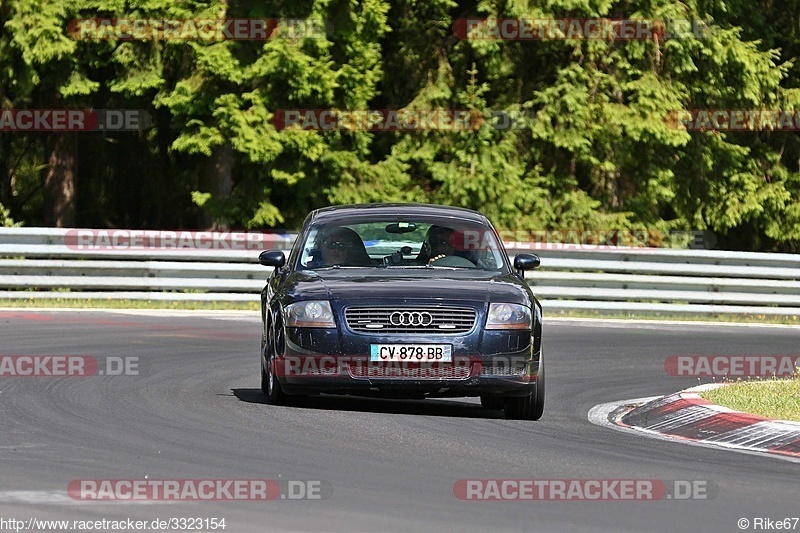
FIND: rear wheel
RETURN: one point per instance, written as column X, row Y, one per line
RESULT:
column 530, row 407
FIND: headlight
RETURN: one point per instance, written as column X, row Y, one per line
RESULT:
column 508, row 316
column 310, row 315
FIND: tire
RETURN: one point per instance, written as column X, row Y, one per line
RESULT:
column 264, row 379
column 492, row 402
column 270, row 385
column 262, row 359
column 530, row 407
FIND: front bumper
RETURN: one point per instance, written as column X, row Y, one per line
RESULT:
column 493, row 362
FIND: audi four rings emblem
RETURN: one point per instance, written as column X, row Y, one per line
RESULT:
column 411, row 318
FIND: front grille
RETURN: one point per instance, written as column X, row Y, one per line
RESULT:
column 410, row 371
column 410, row 319
column 499, row 369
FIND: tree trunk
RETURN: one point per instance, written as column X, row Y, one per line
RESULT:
column 59, row 184
column 6, row 193
column 216, row 177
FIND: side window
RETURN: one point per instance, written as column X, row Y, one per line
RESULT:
column 310, row 253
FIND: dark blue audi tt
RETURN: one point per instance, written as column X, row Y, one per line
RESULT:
column 402, row 301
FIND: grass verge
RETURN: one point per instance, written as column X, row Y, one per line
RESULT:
column 770, row 398
column 93, row 303
column 747, row 318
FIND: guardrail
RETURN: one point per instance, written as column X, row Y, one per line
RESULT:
column 42, row 263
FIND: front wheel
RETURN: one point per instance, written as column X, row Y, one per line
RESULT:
column 530, row 407
column 264, row 380
column 269, row 380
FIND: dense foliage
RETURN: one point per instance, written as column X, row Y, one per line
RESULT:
column 597, row 151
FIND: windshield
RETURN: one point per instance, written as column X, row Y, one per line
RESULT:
column 407, row 243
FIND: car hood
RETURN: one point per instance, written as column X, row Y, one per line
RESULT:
column 412, row 285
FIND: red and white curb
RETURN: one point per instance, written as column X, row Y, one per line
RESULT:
column 685, row 416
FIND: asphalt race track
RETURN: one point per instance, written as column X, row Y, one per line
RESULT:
column 195, row 412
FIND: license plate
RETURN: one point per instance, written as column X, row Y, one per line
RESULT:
column 421, row 353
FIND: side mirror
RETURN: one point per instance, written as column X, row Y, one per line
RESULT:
column 272, row 258
column 523, row 262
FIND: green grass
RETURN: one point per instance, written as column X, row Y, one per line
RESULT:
column 71, row 301
column 747, row 318
column 93, row 303
column 770, row 398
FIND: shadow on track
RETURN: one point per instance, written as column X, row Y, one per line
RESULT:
column 436, row 407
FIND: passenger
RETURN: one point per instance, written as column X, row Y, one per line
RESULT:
column 440, row 243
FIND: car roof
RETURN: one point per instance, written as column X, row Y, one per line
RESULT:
column 356, row 211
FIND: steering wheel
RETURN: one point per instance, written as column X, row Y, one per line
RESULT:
column 452, row 261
